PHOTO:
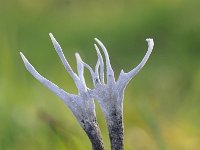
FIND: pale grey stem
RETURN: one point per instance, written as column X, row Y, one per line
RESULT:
column 53, row 87
column 100, row 58
column 110, row 98
column 109, row 70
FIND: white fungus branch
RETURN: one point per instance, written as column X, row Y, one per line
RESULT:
column 81, row 105
column 62, row 57
column 109, row 96
column 94, row 74
column 133, row 72
column 80, row 69
column 109, row 70
column 124, row 78
column 51, row 86
column 97, row 68
column 100, row 58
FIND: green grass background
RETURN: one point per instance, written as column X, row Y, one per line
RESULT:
column 161, row 104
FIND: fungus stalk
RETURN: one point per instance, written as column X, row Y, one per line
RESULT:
column 109, row 95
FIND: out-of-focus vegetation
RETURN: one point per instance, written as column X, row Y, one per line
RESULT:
column 162, row 103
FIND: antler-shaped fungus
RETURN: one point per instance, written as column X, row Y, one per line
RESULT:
column 109, row 95
column 82, row 105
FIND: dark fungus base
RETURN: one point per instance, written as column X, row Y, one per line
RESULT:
column 92, row 130
column 116, row 130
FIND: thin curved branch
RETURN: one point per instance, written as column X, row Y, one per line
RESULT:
column 97, row 68
column 124, row 78
column 95, row 77
column 80, row 69
column 100, row 58
column 50, row 85
column 110, row 72
column 63, row 59
column 133, row 72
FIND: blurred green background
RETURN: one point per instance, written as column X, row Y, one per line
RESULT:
column 161, row 104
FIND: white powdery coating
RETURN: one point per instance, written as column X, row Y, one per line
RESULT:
column 53, row 87
column 124, row 78
column 81, row 105
column 100, row 59
column 109, row 96
column 109, row 70
column 133, row 72
column 80, row 69
column 62, row 57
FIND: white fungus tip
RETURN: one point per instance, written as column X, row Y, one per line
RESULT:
column 55, row 43
column 150, row 42
column 122, row 71
column 97, row 49
column 50, row 34
column 97, row 40
column 77, row 55
column 52, row 37
column 23, row 57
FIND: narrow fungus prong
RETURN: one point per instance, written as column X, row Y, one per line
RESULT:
column 80, row 69
column 63, row 59
column 109, row 70
column 133, row 72
column 100, row 58
column 51, row 86
column 97, row 68
column 94, row 77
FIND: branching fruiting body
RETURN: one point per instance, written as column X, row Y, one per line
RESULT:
column 109, row 95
